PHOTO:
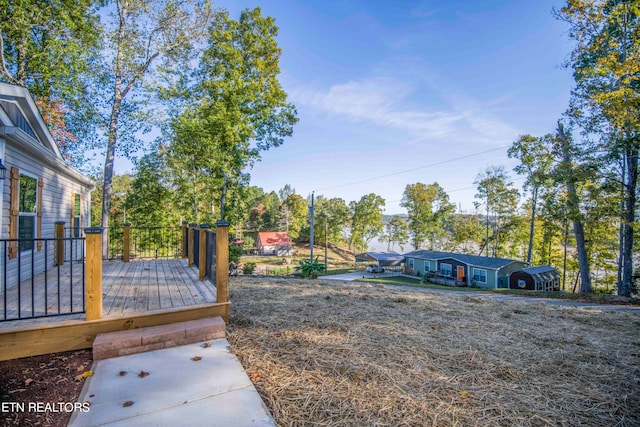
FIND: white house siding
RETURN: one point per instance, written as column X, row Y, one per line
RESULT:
column 56, row 206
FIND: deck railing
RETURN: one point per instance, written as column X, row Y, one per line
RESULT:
column 63, row 275
column 146, row 242
column 209, row 252
column 206, row 252
column 42, row 277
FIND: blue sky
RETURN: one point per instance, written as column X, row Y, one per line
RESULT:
column 384, row 87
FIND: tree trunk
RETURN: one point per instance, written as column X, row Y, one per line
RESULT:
column 113, row 134
column 107, row 187
column 630, row 205
column 622, row 220
column 564, row 261
column 573, row 204
column 532, row 224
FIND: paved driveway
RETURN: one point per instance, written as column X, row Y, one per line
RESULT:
column 350, row 277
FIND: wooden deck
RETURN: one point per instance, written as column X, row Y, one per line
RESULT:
column 128, row 289
column 142, row 286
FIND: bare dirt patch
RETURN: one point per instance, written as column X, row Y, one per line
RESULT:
column 327, row 353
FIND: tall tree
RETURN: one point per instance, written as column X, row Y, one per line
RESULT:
column 429, row 212
column 292, row 215
column 397, row 231
column 144, row 32
column 149, row 201
column 468, row 232
column 500, row 199
column 570, row 175
column 536, row 160
column 236, row 106
column 606, row 99
column 366, row 220
column 50, row 47
column 336, row 214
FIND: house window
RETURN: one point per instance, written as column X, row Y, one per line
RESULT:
column 446, row 269
column 479, row 276
column 27, row 202
column 426, row 266
column 410, row 263
column 76, row 216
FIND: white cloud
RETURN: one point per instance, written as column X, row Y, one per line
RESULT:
column 382, row 102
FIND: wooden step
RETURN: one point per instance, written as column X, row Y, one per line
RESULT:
column 122, row 343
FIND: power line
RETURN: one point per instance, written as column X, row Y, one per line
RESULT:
column 414, row 169
column 461, row 189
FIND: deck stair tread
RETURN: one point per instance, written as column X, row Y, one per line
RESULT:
column 132, row 341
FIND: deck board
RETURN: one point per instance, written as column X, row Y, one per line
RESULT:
column 128, row 288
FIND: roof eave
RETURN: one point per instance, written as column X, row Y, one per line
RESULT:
column 20, row 140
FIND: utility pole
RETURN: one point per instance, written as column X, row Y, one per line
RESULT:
column 326, row 245
column 487, row 226
column 311, row 232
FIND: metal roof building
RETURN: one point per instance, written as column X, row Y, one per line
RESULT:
column 383, row 259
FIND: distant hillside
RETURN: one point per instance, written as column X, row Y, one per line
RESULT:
column 387, row 218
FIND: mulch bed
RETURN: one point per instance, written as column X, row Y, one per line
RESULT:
column 348, row 354
column 40, row 380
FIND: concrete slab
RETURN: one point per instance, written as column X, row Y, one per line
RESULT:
column 178, row 390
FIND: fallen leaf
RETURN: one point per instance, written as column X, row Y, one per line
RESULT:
column 143, row 374
column 122, row 373
column 127, row 404
column 206, row 345
column 465, row 394
column 80, row 368
column 87, row 374
column 28, row 381
column 196, row 358
column 255, row 377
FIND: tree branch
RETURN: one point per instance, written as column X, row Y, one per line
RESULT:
column 5, row 72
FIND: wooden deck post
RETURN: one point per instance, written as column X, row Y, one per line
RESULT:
column 192, row 228
column 59, row 234
column 93, row 273
column 126, row 242
column 222, row 261
column 185, row 226
column 202, row 252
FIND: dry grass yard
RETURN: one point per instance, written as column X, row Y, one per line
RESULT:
column 333, row 354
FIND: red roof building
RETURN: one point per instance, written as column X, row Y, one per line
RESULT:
column 274, row 243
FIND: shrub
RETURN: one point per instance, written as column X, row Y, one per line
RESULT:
column 235, row 252
column 249, row 268
column 310, row 268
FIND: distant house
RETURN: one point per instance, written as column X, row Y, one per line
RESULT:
column 38, row 186
column 275, row 243
column 463, row 269
column 541, row 278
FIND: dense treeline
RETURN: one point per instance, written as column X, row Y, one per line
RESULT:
column 104, row 72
